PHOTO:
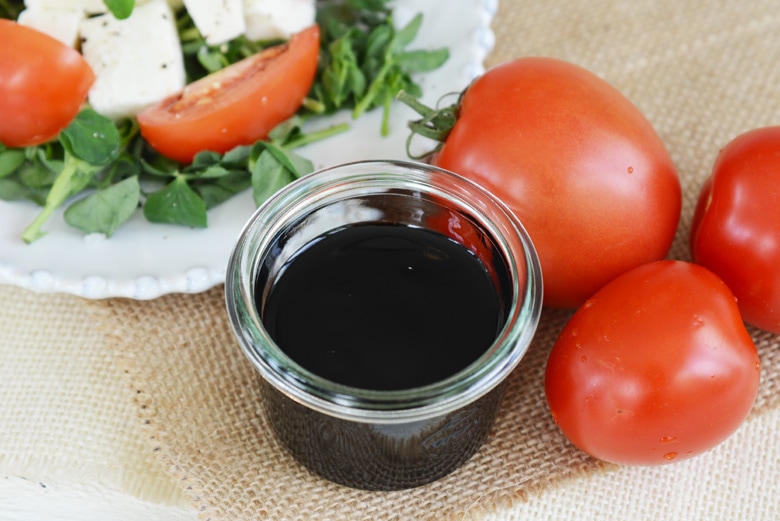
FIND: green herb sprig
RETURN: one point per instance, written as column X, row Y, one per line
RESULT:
column 365, row 61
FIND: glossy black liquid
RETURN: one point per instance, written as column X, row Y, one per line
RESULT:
column 380, row 456
column 380, row 306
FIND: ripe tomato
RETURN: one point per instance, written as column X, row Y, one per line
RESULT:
column 736, row 225
column 43, row 84
column 656, row 367
column 237, row 105
column 577, row 162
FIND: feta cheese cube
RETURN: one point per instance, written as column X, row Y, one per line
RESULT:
column 59, row 23
column 90, row 6
column 137, row 61
column 217, row 20
column 271, row 19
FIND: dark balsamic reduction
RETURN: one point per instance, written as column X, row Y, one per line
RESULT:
column 381, row 457
column 383, row 306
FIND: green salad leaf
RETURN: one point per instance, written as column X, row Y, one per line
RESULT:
column 106, row 209
column 121, row 9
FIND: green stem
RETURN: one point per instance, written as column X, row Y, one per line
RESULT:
column 435, row 124
column 190, row 34
column 60, row 191
column 365, row 102
column 311, row 137
column 313, row 105
column 386, row 116
column 72, row 179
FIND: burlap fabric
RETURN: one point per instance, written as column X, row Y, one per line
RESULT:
column 66, row 424
column 701, row 71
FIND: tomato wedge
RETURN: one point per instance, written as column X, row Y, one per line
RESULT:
column 43, row 84
column 237, row 105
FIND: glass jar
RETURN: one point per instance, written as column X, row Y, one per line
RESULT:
column 383, row 439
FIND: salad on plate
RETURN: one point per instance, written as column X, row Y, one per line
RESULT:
column 178, row 119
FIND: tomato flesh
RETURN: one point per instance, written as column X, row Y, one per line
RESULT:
column 43, row 85
column 577, row 162
column 736, row 225
column 656, row 367
column 237, row 105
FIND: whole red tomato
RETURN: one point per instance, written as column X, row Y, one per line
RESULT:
column 656, row 367
column 237, row 105
column 736, row 225
column 43, row 84
column 577, row 162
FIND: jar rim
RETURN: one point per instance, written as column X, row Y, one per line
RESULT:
column 399, row 405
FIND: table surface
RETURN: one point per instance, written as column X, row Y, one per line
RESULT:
column 74, row 439
column 72, row 447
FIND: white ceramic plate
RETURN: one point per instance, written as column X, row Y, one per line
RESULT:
column 143, row 260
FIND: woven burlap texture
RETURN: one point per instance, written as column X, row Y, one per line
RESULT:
column 64, row 406
column 702, row 72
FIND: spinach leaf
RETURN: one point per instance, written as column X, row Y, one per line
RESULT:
column 121, row 9
column 10, row 160
column 177, row 203
column 105, row 210
column 91, row 138
column 13, row 190
column 268, row 176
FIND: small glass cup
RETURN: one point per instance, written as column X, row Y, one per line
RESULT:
column 383, row 439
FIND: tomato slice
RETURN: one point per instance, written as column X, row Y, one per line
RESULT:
column 43, row 84
column 237, row 105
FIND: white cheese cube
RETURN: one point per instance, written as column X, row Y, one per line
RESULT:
column 217, row 21
column 90, row 6
column 60, row 23
column 137, row 61
column 271, row 19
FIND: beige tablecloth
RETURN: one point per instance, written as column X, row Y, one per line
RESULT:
column 153, row 401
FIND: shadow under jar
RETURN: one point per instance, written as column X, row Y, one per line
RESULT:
column 383, row 304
